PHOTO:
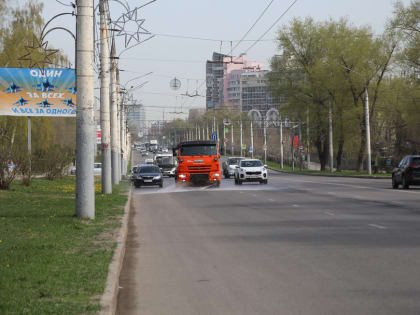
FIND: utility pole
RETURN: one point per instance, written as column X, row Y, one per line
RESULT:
column 218, row 135
column 224, row 140
column 281, row 144
column 265, row 141
column 330, row 137
column 30, row 146
column 119, row 113
column 252, row 140
column 308, row 152
column 104, row 106
column 232, row 143
column 241, row 138
column 122, row 129
column 114, row 118
column 300, row 147
column 85, row 122
column 367, row 122
column 207, row 137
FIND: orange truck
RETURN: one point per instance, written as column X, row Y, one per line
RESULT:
column 198, row 162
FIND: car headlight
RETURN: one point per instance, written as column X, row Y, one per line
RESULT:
column 182, row 176
column 157, row 177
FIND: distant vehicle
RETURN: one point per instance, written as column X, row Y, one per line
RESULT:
column 148, row 175
column 407, row 172
column 229, row 166
column 198, row 162
column 167, row 165
column 148, row 161
column 165, row 150
column 97, row 169
column 251, row 170
column 133, row 172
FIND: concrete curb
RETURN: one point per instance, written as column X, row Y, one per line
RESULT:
column 110, row 296
column 328, row 175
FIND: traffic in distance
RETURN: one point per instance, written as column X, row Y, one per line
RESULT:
column 199, row 163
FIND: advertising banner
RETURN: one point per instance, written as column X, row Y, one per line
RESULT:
column 31, row 92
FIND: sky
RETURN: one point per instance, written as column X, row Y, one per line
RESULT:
column 219, row 20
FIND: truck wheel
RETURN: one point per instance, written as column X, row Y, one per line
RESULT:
column 218, row 183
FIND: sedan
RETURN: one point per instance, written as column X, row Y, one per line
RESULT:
column 148, row 175
column 229, row 166
column 407, row 172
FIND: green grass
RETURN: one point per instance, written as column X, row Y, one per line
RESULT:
column 287, row 168
column 50, row 261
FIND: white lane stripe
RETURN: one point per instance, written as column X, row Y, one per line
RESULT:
column 272, row 200
column 296, row 206
column 329, row 213
column 377, row 226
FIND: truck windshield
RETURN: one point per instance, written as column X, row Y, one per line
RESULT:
column 192, row 150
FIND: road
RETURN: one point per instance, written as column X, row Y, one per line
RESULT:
column 299, row 245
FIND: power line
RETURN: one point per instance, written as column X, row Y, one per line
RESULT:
column 253, row 25
column 271, row 27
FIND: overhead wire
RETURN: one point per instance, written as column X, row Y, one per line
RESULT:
column 271, row 27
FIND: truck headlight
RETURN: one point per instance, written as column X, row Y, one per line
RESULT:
column 216, row 175
column 182, row 176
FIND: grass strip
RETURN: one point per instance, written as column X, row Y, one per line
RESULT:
column 50, row 261
column 287, row 168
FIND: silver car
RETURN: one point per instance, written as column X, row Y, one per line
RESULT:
column 229, row 166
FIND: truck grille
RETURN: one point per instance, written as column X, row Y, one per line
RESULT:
column 199, row 168
column 253, row 173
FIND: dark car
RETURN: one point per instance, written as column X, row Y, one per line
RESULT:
column 148, row 175
column 407, row 172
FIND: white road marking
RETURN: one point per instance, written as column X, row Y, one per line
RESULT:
column 329, row 213
column 296, row 206
column 272, row 200
column 378, row 226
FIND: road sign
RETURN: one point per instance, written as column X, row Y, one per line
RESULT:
column 265, row 147
column 244, row 147
column 251, row 149
column 214, row 136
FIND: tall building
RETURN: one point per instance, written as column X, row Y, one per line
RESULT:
column 214, row 77
column 255, row 93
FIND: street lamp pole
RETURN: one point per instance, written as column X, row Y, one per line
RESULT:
column 367, row 126
column 85, row 122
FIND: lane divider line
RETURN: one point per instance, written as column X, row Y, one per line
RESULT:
column 378, row 226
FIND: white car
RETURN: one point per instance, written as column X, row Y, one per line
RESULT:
column 250, row 170
column 148, row 161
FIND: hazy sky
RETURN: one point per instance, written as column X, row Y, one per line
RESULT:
column 226, row 20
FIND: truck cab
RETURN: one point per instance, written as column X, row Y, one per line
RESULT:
column 198, row 162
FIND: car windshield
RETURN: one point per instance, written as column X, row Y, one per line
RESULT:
column 165, row 160
column 149, row 169
column 234, row 161
column 416, row 161
column 251, row 163
column 200, row 149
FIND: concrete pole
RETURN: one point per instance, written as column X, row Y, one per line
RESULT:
column 30, row 146
column 104, row 106
column 252, row 141
column 232, row 144
column 224, row 139
column 114, row 118
column 367, row 125
column 265, row 142
column 85, row 122
column 281, row 145
column 330, row 138
column 241, row 140
column 308, row 151
column 119, row 116
column 122, row 132
column 218, row 136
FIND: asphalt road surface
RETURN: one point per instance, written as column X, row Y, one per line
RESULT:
column 299, row 245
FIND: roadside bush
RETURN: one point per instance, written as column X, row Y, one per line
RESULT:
column 52, row 161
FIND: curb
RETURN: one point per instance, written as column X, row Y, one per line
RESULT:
column 109, row 298
column 328, row 175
